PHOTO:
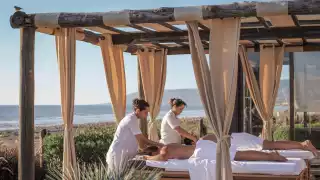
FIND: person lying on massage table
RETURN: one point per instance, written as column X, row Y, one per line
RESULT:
column 206, row 146
column 249, row 141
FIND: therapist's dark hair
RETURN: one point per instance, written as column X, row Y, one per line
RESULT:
column 140, row 104
column 177, row 102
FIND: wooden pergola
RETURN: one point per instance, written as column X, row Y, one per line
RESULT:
column 293, row 23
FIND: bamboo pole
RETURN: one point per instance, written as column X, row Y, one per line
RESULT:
column 26, row 109
column 166, row 14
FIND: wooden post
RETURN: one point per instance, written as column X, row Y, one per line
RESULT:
column 237, row 119
column 43, row 134
column 26, row 109
column 203, row 128
column 291, row 82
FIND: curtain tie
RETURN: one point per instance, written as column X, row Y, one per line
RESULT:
column 68, row 128
column 224, row 138
column 151, row 122
column 267, row 129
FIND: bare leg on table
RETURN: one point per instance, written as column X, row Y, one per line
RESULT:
column 258, row 156
column 286, row 145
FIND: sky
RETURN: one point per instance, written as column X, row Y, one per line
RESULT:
column 91, row 85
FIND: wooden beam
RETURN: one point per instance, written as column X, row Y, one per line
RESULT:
column 147, row 31
column 267, row 26
column 246, row 34
column 291, row 84
column 26, row 109
column 254, row 24
column 297, row 23
column 243, row 25
column 131, row 39
column 109, row 28
column 182, row 43
column 205, row 44
column 140, row 28
column 302, row 48
column 81, row 35
column 169, row 26
column 159, row 45
column 203, row 27
column 166, row 14
column 87, row 36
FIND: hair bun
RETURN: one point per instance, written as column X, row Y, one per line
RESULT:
column 135, row 101
column 171, row 101
column 176, row 102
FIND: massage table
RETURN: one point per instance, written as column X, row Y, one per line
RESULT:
column 294, row 169
column 302, row 154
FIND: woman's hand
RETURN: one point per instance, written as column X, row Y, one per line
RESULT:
column 160, row 145
column 194, row 139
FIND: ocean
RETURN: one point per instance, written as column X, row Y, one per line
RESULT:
column 47, row 115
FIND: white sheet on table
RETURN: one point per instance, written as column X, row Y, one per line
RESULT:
column 205, row 169
column 244, row 141
column 295, row 153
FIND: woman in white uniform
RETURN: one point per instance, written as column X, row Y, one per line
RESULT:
column 171, row 130
column 128, row 137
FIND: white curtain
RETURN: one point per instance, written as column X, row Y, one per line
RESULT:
column 115, row 75
column 217, row 82
column 66, row 53
column 153, row 68
column 264, row 96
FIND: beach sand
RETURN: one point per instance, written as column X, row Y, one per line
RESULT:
column 10, row 138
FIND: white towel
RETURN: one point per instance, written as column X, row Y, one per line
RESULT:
column 203, row 161
column 245, row 141
column 202, row 169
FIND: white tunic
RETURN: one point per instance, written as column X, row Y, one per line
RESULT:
column 124, row 145
column 168, row 134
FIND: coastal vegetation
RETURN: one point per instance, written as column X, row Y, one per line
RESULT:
column 92, row 143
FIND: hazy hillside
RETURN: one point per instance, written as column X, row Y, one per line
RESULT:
column 283, row 92
column 190, row 96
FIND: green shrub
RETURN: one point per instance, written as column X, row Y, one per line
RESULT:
column 9, row 165
column 281, row 133
column 91, row 145
column 53, row 147
column 300, row 134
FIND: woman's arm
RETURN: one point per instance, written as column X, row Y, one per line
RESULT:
column 158, row 157
column 185, row 134
column 174, row 123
